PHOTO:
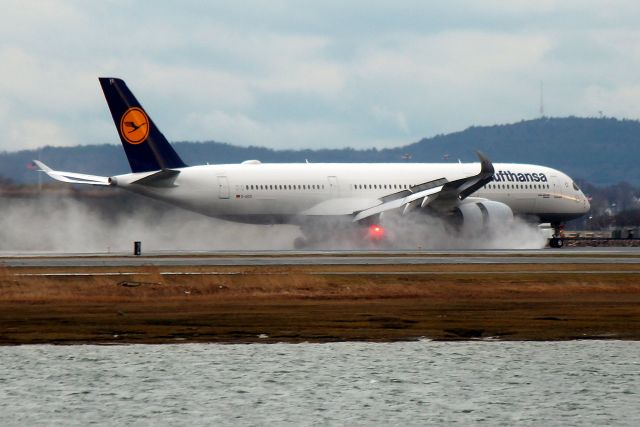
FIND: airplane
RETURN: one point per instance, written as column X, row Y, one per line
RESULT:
column 339, row 196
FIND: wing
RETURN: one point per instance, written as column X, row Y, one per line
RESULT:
column 439, row 194
column 75, row 178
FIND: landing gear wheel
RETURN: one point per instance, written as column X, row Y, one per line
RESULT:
column 556, row 242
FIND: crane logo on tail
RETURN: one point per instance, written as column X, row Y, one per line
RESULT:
column 134, row 126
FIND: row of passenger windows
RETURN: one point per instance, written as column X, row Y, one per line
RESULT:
column 386, row 186
column 286, row 187
column 516, row 186
column 381, row 186
column 321, row 187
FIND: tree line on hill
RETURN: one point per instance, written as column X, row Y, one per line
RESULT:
column 602, row 154
column 602, row 151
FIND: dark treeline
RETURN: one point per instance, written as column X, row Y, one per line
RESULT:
column 603, row 151
column 611, row 206
column 602, row 154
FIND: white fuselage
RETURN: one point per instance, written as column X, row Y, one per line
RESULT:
column 286, row 193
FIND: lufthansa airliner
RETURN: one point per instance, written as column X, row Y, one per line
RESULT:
column 354, row 196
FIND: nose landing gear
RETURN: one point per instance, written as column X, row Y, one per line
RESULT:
column 557, row 240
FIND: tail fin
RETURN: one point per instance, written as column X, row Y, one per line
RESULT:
column 146, row 147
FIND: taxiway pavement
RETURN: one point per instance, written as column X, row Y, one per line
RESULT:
column 285, row 258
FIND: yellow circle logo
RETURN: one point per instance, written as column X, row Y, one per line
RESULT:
column 134, row 126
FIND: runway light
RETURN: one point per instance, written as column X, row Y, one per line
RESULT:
column 376, row 231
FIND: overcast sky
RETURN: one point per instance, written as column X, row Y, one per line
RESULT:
column 299, row 74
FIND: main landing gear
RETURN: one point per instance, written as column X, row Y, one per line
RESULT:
column 338, row 236
column 556, row 240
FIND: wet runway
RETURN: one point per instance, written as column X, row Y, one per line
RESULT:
column 285, row 258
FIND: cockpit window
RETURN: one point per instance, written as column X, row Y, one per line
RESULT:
column 575, row 186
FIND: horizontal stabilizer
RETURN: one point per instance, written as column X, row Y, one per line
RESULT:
column 72, row 177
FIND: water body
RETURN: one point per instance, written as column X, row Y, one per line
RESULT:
column 413, row 383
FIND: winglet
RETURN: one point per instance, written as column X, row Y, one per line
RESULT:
column 486, row 167
column 469, row 186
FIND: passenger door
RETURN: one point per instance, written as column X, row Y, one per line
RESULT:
column 223, row 187
column 333, row 186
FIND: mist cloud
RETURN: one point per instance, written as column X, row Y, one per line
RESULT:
column 70, row 226
column 67, row 225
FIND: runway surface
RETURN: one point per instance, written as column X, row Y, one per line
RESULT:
column 285, row 258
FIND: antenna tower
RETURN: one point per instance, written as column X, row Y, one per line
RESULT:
column 541, row 99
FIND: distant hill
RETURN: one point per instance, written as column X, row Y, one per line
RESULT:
column 602, row 151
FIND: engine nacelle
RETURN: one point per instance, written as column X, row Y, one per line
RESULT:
column 479, row 217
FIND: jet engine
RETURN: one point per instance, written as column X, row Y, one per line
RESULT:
column 478, row 217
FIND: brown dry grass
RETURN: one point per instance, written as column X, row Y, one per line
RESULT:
column 302, row 283
column 301, row 303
